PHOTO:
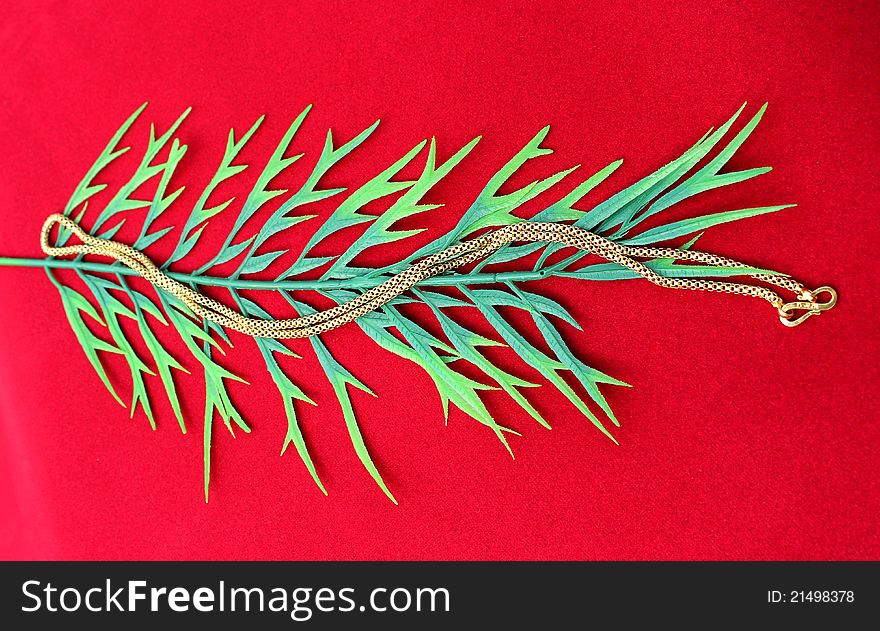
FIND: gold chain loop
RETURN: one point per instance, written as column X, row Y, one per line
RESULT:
column 451, row 258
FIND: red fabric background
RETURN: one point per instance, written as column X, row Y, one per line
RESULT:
column 740, row 439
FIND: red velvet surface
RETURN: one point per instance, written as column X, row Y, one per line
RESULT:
column 740, row 439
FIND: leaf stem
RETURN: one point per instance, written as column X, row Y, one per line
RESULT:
column 358, row 282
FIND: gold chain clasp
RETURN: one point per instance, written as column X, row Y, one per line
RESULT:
column 810, row 307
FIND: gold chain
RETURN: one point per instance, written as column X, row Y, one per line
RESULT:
column 448, row 259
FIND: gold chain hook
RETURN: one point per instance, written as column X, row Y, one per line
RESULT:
column 811, row 306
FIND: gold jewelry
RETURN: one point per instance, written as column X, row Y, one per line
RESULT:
column 808, row 301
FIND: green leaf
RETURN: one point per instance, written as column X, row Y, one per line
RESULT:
column 340, row 378
column 466, row 343
column 624, row 205
column 695, row 224
column 165, row 362
column 348, row 214
column 707, row 177
column 526, row 300
column 491, row 209
column 290, row 392
column 217, row 400
column 260, row 262
column 419, row 348
column 145, row 171
column 380, row 232
column 161, row 202
column 377, row 324
column 621, row 208
column 201, row 212
column 543, row 363
column 74, row 306
column 613, row 271
column 308, row 193
column 452, row 386
column 113, row 309
column 86, row 188
column 590, row 378
column 260, row 194
column 563, row 210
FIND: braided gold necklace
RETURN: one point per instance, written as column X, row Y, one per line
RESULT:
column 791, row 314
